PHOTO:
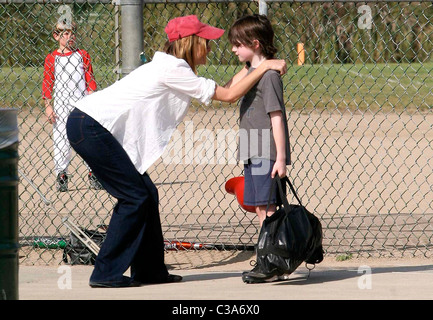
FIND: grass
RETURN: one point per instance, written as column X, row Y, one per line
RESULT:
column 344, row 257
column 384, row 87
column 375, row 87
column 22, row 87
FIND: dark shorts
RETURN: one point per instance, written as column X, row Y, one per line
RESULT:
column 258, row 183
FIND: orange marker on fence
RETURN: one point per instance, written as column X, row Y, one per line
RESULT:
column 301, row 53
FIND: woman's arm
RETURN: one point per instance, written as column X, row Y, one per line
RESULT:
column 233, row 92
column 237, row 77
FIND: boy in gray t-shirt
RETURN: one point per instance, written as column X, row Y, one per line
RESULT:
column 256, row 108
column 263, row 136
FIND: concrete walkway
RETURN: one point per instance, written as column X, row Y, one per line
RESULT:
column 356, row 279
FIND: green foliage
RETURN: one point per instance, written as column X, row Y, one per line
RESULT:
column 344, row 257
column 401, row 31
column 27, row 32
column 387, row 67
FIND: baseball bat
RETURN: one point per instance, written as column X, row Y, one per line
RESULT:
column 181, row 245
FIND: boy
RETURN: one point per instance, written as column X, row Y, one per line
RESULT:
column 264, row 139
column 68, row 76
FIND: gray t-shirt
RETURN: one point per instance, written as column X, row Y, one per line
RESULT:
column 256, row 138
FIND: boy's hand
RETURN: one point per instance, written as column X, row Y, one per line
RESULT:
column 279, row 168
column 49, row 112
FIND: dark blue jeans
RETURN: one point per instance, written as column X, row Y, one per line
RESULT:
column 134, row 237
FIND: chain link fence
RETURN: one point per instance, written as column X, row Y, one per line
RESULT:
column 359, row 112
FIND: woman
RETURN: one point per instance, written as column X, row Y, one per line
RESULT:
column 121, row 130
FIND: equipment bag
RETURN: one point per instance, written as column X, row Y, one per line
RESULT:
column 75, row 252
column 290, row 236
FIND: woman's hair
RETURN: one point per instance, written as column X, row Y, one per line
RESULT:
column 188, row 48
column 254, row 27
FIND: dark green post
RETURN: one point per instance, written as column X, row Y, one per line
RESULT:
column 8, row 204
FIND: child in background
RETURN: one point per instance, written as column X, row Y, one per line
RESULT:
column 68, row 77
column 264, row 140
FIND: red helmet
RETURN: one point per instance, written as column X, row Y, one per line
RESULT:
column 236, row 186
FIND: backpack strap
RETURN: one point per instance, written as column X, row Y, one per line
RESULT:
column 283, row 196
column 286, row 179
column 277, row 180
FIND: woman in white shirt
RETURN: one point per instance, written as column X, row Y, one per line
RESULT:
column 122, row 130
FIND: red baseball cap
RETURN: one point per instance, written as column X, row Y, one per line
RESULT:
column 182, row 27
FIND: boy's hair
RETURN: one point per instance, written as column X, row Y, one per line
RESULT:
column 63, row 26
column 254, row 27
column 187, row 48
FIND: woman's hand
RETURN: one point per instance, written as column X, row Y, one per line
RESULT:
column 233, row 92
column 278, row 65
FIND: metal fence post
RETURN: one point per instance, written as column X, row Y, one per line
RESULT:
column 8, row 204
column 132, row 34
column 263, row 7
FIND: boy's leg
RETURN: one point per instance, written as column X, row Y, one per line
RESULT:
column 258, row 184
column 62, row 154
column 257, row 188
column 62, row 147
column 262, row 213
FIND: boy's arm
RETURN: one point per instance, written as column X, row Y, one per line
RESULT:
column 280, row 143
column 47, row 88
column 88, row 73
column 49, row 111
column 48, row 80
column 238, row 90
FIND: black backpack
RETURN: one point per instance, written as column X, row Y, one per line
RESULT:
column 290, row 236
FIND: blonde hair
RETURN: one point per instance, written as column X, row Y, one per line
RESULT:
column 188, row 48
column 63, row 26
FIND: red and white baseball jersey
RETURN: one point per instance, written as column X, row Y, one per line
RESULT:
column 67, row 77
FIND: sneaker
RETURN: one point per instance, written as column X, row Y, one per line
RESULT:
column 257, row 276
column 62, row 182
column 284, row 277
column 255, row 269
column 94, row 183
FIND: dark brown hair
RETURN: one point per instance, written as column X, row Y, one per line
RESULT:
column 254, row 27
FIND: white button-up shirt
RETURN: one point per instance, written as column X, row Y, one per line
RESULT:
column 143, row 109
